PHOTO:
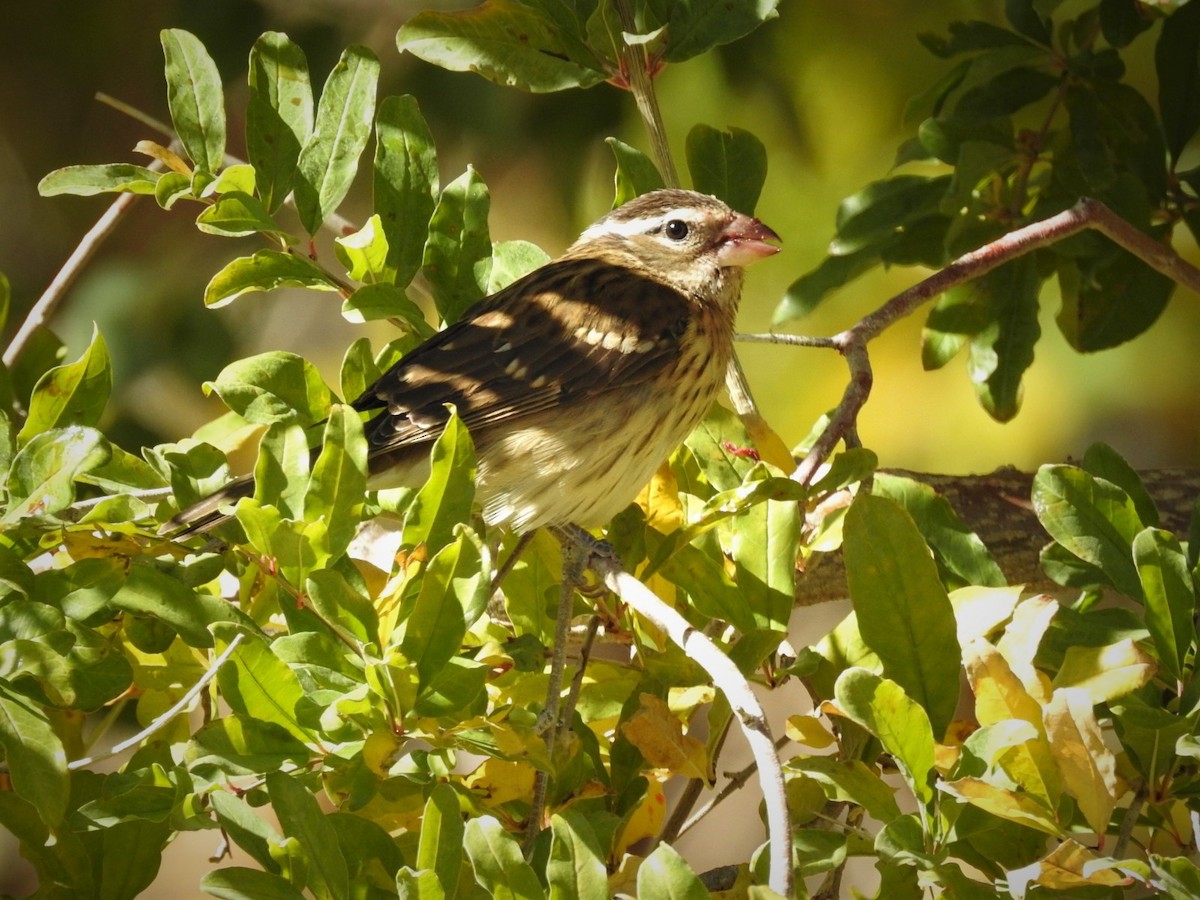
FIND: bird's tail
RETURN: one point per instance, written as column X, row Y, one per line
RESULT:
column 205, row 515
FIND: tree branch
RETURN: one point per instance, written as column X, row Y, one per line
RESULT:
column 851, row 343
column 726, row 678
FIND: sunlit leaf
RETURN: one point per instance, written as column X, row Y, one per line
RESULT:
column 497, row 860
column 441, row 846
column 329, row 158
column 458, row 252
column 1088, row 767
column 1106, row 673
column 41, row 477
column 903, row 611
column 504, row 41
column 33, row 756
column 658, row 735
column 405, row 184
column 236, row 214
column 881, row 706
column 266, row 270
column 273, row 387
column 279, row 114
column 74, row 394
column 301, row 818
column 1003, row 803
column 85, row 181
column 575, row 869
column 195, row 98
column 445, row 499
column 636, row 173
column 1170, row 596
column 664, row 873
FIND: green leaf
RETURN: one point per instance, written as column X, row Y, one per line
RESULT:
column 1103, row 461
column 1001, row 352
column 372, row 302
column 882, row 707
column 636, row 173
column 665, row 874
column 195, row 98
column 452, row 597
column 696, row 27
column 86, row 181
column 237, row 214
column 74, row 394
column 255, row 682
column 150, row 591
column 850, row 781
column 364, row 252
column 499, row 865
column 172, row 186
column 301, row 818
column 41, row 477
column 873, row 215
column 458, row 252
column 1093, row 519
column 237, row 883
column 241, row 745
column 266, row 270
column 1170, row 596
column 1177, row 875
column 34, row 756
column 506, row 42
column 250, row 832
column 764, row 542
column 806, row 292
column 441, row 845
column 575, row 870
column 405, row 184
column 959, row 552
column 1109, row 299
column 729, row 164
column 274, row 387
column 358, row 369
column 446, row 497
column 512, row 260
column 283, row 466
column 904, row 614
column 329, row 158
column 279, row 114
column 1177, row 62
column 338, row 484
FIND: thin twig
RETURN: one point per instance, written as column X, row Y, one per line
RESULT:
column 43, row 310
column 728, row 679
column 851, row 343
column 163, row 720
column 585, row 653
column 736, row 782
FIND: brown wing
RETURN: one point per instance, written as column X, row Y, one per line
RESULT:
column 592, row 327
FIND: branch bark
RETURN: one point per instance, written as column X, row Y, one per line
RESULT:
column 997, row 508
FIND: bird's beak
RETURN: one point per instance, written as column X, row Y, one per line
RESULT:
column 745, row 240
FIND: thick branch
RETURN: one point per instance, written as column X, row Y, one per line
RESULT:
column 997, row 508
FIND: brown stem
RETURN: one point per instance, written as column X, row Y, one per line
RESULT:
column 851, row 343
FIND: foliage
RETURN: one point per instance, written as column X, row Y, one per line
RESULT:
column 391, row 687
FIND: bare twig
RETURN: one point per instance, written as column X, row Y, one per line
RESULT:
column 851, row 343
column 163, row 720
column 43, row 310
column 728, row 680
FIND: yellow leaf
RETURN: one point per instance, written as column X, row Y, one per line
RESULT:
column 1021, row 639
column 659, row 737
column 168, row 158
column 660, row 500
column 1088, row 767
column 999, row 694
column 808, row 730
column 380, row 750
column 1063, row 869
column 498, row 781
column 770, row 446
column 647, row 819
column 978, row 611
column 1002, row 802
column 1106, row 672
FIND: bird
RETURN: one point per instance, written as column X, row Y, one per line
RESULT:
column 576, row 380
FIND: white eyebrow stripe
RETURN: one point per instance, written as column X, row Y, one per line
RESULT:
column 629, row 227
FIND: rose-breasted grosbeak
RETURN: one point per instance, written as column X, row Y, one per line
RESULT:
column 576, row 380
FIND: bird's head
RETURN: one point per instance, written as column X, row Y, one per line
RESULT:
column 689, row 239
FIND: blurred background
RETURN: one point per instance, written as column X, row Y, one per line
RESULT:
column 824, row 86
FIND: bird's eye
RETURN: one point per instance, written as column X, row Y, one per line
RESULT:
column 676, row 229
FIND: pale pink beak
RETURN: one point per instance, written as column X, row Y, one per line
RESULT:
column 745, row 240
